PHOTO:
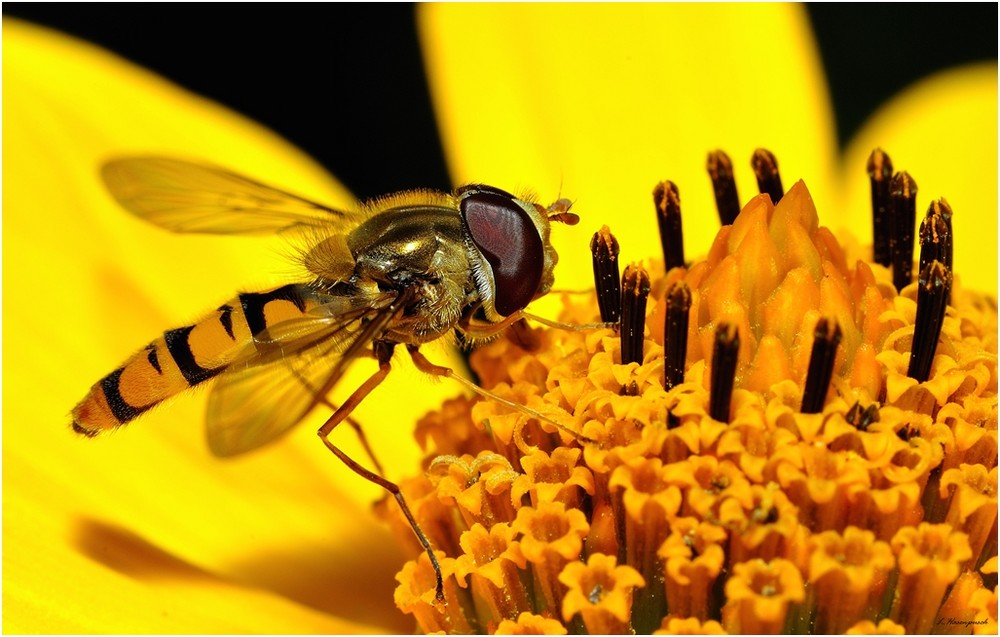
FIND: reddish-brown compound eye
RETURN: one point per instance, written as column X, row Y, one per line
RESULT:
column 508, row 239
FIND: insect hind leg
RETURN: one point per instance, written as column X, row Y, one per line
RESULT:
column 383, row 352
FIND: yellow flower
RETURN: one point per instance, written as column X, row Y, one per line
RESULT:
column 757, row 441
column 143, row 532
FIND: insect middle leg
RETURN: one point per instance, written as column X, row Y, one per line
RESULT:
column 354, row 424
column 383, row 353
column 360, row 433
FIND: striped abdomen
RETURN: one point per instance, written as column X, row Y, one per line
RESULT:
column 185, row 357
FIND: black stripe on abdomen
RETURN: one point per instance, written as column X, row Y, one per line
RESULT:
column 226, row 319
column 177, row 345
column 121, row 410
column 253, row 305
column 153, row 359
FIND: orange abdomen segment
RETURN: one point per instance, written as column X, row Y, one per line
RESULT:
column 185, row 357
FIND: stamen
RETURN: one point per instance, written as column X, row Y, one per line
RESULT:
column 880, row 174
column 902, row 221
column 824, row 352
column 604, row 250
column 727, row 201
column 935, row 235
column 630, row 388
column 724, row 357
column 932, row 299
column 863, row 417
column 668, row 216
column 675, row 334
column 945, row 208
column 907, row 431
column 635, row 290
column 936, row 238
column 765, row 167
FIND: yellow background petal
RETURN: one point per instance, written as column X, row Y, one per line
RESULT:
column 599, row 102
column 85, row 285
column 943, row 131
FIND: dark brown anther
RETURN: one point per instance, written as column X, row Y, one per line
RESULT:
column 907, row 432
column 765, row 167
column 826, row 338
column 862, row 417
column 727, row 201
column 675, row 334
column 724, row 357
column 673, row 420
column 880, row 174
column 604, row 250
column 667, row 200
column 630, row 388
column 902, row 222
column 932, row 299
column 635, row 291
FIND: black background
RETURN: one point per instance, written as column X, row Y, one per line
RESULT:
column 283, row 66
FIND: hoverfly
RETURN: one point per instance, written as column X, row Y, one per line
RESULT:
column 405, row 269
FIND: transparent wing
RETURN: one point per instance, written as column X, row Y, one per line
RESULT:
column 288, row 371
column 183, row 196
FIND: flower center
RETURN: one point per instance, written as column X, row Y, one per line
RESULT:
column 791, row 438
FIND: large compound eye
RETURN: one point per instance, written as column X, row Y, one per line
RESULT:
column 506, row 236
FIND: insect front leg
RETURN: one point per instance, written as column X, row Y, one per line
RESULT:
column 428, row 367
column 383, row 353
column 479, row 329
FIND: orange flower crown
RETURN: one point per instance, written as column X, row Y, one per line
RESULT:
column 790, row 440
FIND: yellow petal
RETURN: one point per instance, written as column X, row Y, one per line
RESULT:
column 85, row 285
column 943, row 131
column 600, row 102
column 89, row 576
